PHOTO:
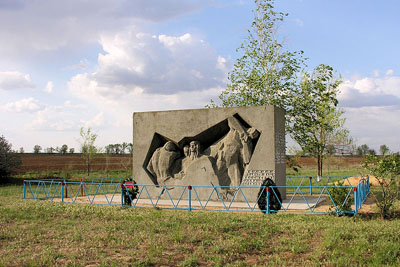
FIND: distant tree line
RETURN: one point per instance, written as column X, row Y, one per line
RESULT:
column 347, row 149
column 51, row 150
column 124, row 148
column 364, row 150
column 111, row 149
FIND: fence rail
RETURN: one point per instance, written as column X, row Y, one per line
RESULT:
column 304, row 195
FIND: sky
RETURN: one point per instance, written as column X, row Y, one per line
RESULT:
column 92, row 63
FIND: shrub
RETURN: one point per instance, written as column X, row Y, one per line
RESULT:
column 9, row 160
column 341, row 198
column 387, row 172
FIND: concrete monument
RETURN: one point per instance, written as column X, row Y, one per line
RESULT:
column 210, row 147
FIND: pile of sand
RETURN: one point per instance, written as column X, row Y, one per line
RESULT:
column 356, row 179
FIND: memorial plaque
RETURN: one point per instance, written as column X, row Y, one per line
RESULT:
column 257, row 177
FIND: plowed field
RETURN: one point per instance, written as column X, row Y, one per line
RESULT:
column 57, row 162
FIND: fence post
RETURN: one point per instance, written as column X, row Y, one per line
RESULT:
column 66, row 188
column 81, row 189
column 267, row 188
column 190, row 198
column 355, row 201
column 310, row 185
column 122, row 195
column 24, row 189
column 62, row 191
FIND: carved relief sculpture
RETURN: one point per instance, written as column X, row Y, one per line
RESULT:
column 224, row 162
column 233, row 152
column 161, row 162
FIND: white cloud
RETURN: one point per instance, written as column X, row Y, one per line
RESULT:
column 371, row 91
column 140, row 63
column 372, row 108
column 12, row 80
column 83, row 64
column 67, row 117
column 144, row 72
column 24, row 105
column 69, row 104
column 375, row 125
column 28, row 27
column 49, row 87
column 96, row 121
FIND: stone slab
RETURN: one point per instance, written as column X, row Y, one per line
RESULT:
column 231, row 146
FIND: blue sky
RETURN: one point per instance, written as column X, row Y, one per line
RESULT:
column 71, row 64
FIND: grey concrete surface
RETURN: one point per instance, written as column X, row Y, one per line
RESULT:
column 220, row 146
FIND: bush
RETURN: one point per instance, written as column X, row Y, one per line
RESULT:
column 9, row 160
column 387, row 172
column 341, row 198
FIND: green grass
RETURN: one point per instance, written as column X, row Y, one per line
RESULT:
column 74, row 175
column 41, row 233
column 333, row 171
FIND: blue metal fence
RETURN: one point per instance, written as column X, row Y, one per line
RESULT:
column 304, row 195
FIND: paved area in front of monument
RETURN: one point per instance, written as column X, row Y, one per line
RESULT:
column 295, row 203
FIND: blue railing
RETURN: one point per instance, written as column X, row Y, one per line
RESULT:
column 310, row 198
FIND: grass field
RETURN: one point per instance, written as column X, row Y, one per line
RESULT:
column 41, row 233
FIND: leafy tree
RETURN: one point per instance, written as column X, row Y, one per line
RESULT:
column 387, row 172
column 117, row 148
column 124, row 146
column 37, row 149
column 72, row 150
column 363, row 150
column 9, row 160
column 109, row 149
column 64, row 149
column 88, row 149
column 316, row 122
column 21, row 150
column 330, row 149
column 384, row 150
column 265, row 74
column 130, row 148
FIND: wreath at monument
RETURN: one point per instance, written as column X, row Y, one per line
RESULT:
column 275, row 198
column 129, row 191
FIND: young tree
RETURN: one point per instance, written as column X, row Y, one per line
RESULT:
column 384, row 150
column 37, row 149
column 9, row 160
column 363, row 150
column 117, row 148
column 64, row 149
column 387, row 172
column 88, row 149
column 124, row 146
column 265, row 74
column 316, row 123
column 130, row 148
